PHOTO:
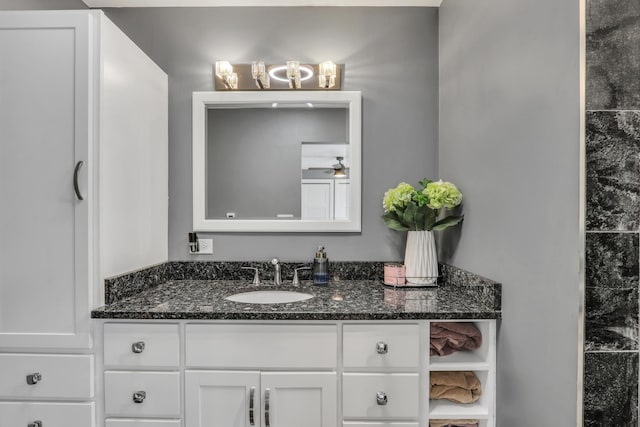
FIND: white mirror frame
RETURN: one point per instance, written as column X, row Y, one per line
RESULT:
column 203, row 100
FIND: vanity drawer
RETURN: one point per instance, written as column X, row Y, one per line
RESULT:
column 161, row 394
column 21, row 414
column 261, row 346
column 381, row 346
column 142, row 423
column 138, row 345
column 60, row 376
column 359, row 395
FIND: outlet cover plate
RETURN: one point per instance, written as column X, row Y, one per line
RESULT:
column 205, row 246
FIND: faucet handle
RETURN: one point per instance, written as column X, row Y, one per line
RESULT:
column 256, row 275
column 296, row 281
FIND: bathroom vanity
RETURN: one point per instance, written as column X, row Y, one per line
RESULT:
column 354, row 355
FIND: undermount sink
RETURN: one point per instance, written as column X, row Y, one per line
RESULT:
column 269, row 297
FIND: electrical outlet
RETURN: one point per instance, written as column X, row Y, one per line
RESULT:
column 205, row 246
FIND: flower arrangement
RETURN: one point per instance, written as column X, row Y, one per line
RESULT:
column 408, row 209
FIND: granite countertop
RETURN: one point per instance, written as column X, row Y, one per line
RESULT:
column 461, row 295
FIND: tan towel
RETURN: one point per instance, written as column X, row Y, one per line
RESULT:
column 448, row 337
column 456, row 386
column 443, row 423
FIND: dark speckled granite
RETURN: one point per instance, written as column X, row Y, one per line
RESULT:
column 360, row 298
column 352, row 300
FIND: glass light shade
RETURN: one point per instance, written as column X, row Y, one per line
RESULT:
column 232, row 81
column 327, row 74
column 259, row 74
column 339, row 173
column 293, row 74
column 223, row 69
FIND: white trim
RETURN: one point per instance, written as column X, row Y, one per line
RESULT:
column 261, row 3
column 201, row 100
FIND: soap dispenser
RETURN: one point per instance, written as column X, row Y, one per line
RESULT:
column 321, row 267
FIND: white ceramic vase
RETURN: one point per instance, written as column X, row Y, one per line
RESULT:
column 421, row 258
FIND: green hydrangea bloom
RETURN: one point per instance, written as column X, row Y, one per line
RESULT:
column 397, row 198
column 442, row 194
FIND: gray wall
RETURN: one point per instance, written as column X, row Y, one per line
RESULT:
column 390, row 54
column 41, row 4
column 254, row 157
column 510, row 138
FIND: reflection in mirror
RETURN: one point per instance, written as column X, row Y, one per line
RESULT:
column 258, row 160
column 278, row 161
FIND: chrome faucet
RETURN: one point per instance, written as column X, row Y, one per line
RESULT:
column 277, row 277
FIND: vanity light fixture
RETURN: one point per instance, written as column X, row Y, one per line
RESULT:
column 293, row 75
column 259, row 74
column 327, row 74
column 224, row 71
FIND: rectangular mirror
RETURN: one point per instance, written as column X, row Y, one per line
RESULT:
column 277, row 161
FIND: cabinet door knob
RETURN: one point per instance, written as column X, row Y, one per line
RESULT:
column 381, row 398
column 137, row 347
column 139, row 396
column 34, row 378
column 382, row 347
column 35, row 424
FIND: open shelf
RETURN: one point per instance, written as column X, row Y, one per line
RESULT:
column 472, row 360
column 482, row 409
column 481, row 423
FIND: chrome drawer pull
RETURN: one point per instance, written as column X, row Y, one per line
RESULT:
column 139, row 396
column 35, row 424
column 266, row 407
column 34, row 378
column 382, row 347
column 252, row 393
column 137, row 347
column 381, row 398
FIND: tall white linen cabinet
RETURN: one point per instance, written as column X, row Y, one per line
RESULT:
column 83, row 196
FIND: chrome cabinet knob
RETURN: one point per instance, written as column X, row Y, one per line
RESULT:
column 137, row 347
column 139, row 396
column 381, row 398
column 382, row 347
column 35, row 424
column 34, row 378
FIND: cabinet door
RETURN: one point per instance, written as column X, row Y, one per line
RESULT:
column 317, row 199
column 222, row 399
column 44, row 227
column 341, row 196
column 295, row 399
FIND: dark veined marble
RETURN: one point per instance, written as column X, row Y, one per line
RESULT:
column 611, row 319
column 343, row 300
column 613, row 54
column 611, row 389
column 612, row 260
column 613, row 170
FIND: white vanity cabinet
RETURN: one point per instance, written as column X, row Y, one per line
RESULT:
column 286, row 374
column 83, row 118
column 295, row 395
column 242, row 399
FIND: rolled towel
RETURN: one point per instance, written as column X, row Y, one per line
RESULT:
column 453, row 423
column 449, row 337
column 456, row 386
